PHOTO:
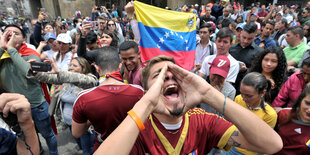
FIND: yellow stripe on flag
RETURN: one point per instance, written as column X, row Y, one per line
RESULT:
column 308, row 143
column 157, row 17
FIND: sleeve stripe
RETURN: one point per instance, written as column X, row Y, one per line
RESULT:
column 224, row 139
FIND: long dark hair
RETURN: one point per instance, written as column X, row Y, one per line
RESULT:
column 278, row 75
column 259, row 82
column 114, row 37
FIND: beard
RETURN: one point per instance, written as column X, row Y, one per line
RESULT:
column 177, row 111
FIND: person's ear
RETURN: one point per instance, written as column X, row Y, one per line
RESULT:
column 264, row 92
column 97, row 68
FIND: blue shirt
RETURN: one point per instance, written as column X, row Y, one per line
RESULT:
column 8, row 142
column 268, row 41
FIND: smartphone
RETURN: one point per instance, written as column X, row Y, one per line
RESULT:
column 41, row 66
column 95, row 25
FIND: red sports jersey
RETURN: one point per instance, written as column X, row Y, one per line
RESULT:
column 105, row 107
column 203, row 134
column 295, row 135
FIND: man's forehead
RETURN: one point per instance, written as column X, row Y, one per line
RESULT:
column 158, row 66
column 13, row 29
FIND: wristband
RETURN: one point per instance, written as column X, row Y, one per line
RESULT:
column 136, row 118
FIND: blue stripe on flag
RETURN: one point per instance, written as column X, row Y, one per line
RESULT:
column 166, row 40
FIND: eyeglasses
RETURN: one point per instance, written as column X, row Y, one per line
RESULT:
column 111, row 24
column 102, row 22
column 304, row 12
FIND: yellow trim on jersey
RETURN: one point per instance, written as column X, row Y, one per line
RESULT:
column 222, row 144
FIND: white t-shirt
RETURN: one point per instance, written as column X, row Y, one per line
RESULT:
column 202, row 53
column 233, row 71
column 50, row 53
column 64, row 64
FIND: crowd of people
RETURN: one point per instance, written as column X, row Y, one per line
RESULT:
column 248, row 91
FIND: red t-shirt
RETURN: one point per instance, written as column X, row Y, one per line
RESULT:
column 203, row 134
column 294, row 134
column 135, row 77
column 105, row 107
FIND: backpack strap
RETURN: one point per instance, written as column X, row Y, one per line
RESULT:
column 212, row 48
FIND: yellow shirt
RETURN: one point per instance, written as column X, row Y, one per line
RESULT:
column 270, row 117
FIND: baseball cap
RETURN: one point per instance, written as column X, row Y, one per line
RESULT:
column 65, row 38
column 220, row 66
column 293, row 7
column 49, row 36
column 240, row 25
column 280, row 12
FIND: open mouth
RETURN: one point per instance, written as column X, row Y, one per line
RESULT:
column 171, row 92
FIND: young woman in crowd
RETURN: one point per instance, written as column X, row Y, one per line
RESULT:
column 253, row 88
column 109, row 38
column 294, row 125
column 89, row 39
column 65, row 55
column 75, row 80
column 239, row 19
column 271, row 62
column 112, row 26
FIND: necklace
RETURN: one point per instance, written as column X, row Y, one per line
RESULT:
column 254, row 109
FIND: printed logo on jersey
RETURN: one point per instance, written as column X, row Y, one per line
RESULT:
column 195, row 152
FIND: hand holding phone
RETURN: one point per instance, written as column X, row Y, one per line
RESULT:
column 40, row 66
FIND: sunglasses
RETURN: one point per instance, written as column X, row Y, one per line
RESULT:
column 111, row 24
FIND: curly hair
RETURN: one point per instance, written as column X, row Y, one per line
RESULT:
column 278, row 75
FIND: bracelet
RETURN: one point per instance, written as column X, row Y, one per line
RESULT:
column 136, row 118
column 221, row 115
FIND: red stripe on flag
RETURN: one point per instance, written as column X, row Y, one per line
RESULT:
column 185, row 59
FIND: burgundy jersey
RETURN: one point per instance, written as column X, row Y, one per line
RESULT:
column 203, row 134
column 295, row 134
column 105, row 107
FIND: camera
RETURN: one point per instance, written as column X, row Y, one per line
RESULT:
column 12, row 122
column 41, row 66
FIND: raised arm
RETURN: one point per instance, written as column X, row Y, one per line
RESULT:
column 252, row 132
column 19, row 105
column 129, row 8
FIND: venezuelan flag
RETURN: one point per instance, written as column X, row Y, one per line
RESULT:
column 308, row 143
column 166, row 32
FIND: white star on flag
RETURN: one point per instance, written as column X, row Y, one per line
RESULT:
column 186, row 48
column 161, row 40
column 181, row 37
column 166, row 34
column 171, row 32
column 176, row 34
column 186, row 41
column 158, row 46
